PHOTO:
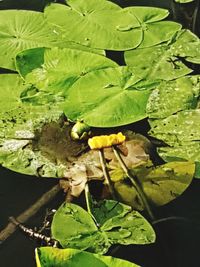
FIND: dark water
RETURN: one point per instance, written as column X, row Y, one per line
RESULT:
column 178, row 240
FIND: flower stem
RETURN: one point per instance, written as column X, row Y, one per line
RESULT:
column 135, row 183
column 106, row 174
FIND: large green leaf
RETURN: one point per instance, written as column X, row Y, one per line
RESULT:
column 20, row 30
column 33, row 139
column 187, row 151
column 154, row 31
column 182, row 133
column 161, row 184
column 108, row 97
column 54, row 257
column 51, row 72
column 165, row 61
column 171, row 97
column 73, row 227
column 178, row 128
column 95, row 23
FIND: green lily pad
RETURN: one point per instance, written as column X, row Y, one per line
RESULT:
column 48, row 256
column 178, row 128
column 154, row 30
column 20, row 30
column 161, row 184
column 51, row 72
column 108, row 98
column 34, row 140
column 95, row 23
column 188, row 151
column 73, row 227
column 173, row 96
column 165, row 61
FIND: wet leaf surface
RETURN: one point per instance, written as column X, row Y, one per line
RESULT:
column 47, row 256
column 166, row 61
column 73, row 227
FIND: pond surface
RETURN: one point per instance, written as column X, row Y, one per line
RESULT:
column 178, row 240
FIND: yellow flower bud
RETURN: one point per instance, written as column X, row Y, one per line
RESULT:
column 102, row 141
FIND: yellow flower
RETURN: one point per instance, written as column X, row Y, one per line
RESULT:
column 102, row 141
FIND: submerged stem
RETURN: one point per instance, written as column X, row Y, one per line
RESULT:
column 135, row 183
column 106, row 174
column 31, row 211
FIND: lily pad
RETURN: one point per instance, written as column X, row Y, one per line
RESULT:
column 161, row 184
column 34, row 140
column 154, row 31
column 177, row 129
column 73, row 227
column 174, row 96
column 165, row 61
column 48, row 256
column 51, row 72
column 108, row 98
column 188, row 151
column 20, row 30
column 95, row 23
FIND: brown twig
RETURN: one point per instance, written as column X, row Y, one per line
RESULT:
column 30, row 212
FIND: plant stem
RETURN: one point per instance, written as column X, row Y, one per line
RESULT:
column 88, row 200
column 30, row 212
column 135, row 183
column 106, row 174
column 194, row 19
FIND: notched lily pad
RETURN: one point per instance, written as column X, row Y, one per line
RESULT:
column 154, row 31
column 108, row 98
column 49, row 73
column 161, row 184
column 20, row 30
column 165, row 61
column 73, row 227
column 98, row 24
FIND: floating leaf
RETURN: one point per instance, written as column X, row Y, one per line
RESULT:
column 165, row 61
column 33, row 139
column 187, row 151
column 154, row 31
column 171, row 97
column 73, row 227
column 95, row 23
column 20, row 30
column 161, row 184
column 178, row 128
column 51, row 72
column 107, row 98
column 48, row 256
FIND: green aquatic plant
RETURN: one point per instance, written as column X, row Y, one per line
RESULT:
column 59, row 86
